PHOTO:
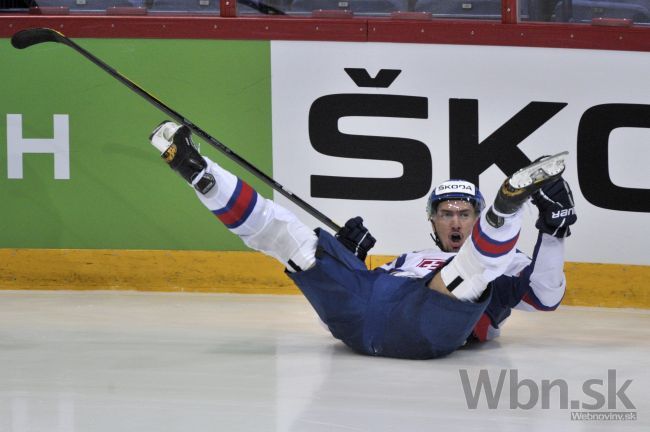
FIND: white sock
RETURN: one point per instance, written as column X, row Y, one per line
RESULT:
column 483, row 257
column 260, row 223
column 470, row 289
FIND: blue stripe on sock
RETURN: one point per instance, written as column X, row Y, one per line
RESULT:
column 231, row 201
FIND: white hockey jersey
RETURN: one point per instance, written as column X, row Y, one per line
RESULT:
column 420, row 263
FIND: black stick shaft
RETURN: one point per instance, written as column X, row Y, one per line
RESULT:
column 46, row 36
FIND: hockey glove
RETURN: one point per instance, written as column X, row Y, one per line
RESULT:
column 556, row 209
column 356, row 238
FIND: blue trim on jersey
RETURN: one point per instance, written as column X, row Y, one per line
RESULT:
column 400, row 261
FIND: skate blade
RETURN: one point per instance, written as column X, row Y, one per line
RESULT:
column 540, row 171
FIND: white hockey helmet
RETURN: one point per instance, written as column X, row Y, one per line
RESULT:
column 455, row 190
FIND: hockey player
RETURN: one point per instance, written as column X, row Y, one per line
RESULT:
column 423, row 304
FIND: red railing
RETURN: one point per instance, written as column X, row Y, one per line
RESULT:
column 400, row 27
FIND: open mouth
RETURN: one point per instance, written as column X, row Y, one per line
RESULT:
column 455, row 241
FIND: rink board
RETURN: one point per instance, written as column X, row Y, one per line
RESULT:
column 280, row 105
column 377, row 126
column 118, row 193
column 603, row 285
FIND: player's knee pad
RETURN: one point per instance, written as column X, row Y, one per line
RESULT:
column 470, row 262
column 465, row 265
column 469, row 289
column 285, row 238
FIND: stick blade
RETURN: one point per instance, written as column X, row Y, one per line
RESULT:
column 28, row 37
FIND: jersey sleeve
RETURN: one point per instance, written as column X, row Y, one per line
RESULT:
column 545, row 276
column 536, row 284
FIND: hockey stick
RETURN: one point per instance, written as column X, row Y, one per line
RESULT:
column 28, row 37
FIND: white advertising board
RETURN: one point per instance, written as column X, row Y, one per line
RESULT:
column 444, row 108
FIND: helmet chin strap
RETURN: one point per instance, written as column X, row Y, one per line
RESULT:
column 435, row 238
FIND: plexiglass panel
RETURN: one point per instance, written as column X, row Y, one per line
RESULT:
column 618, row 12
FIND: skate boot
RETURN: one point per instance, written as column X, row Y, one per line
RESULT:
column 517, row 188
column 176, row 147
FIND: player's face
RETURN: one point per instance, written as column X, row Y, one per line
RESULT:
column 453, row 222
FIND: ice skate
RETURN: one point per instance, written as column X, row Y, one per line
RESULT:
column 177, row 149
column 518, row 187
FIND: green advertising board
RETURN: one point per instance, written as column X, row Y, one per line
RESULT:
column 117, row 193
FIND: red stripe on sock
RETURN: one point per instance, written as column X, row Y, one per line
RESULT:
column 491, row 247
column 236, row 212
